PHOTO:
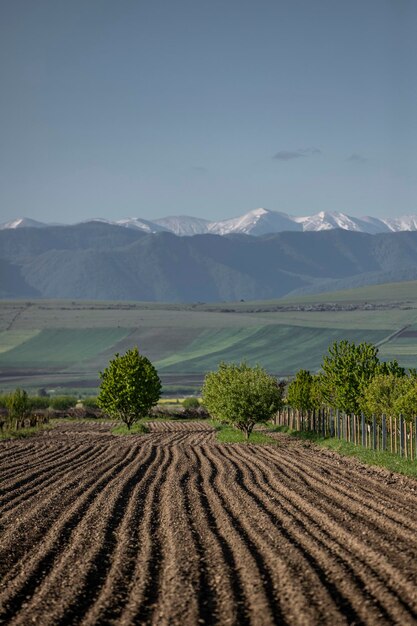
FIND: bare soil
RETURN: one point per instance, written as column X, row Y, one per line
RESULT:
column 172, row 528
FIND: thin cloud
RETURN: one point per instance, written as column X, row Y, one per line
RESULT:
column 357, row 158
column 288, row 155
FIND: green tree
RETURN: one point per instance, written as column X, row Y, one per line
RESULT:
column 241, row 395
column 391, row 367
column 129, row 387
column 381, row 394
column 406, row 401
column 300, row 392
column 18, row 406
column 347, row 369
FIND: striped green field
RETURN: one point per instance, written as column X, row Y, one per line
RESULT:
column 67, row 343
column 279, row 348
column 59, row 348
column 10, row 339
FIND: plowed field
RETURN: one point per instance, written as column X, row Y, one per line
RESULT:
column 172, row 528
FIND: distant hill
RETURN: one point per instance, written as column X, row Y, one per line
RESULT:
column 100, row 261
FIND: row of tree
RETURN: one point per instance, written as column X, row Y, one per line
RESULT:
column 354, row 380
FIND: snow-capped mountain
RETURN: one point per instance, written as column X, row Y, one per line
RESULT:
column 329, row 220
column 406, row 222
column 22, row 222
column 184, row 224
column 257, row 222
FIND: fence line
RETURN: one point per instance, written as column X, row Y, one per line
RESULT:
column 396, row 435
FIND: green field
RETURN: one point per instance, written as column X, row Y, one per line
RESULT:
column 64, row 344
column 279, row 348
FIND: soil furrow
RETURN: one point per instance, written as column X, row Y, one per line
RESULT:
column 346, row 549
column 129, row 538
column 144, row 592
column 372, row 492
column 34, row 459
column 259, row 582
column 101, row 522
column 38, row 480
column 172, row 528
column 357, row 512
column 16, row 540
column 23, row 580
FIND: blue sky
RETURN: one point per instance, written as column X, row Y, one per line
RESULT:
column 130, row 108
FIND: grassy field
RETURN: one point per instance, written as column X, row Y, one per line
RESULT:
column 281, row 349
column 64, row 344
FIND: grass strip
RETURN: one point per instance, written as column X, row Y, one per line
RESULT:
column 138, row 428
column 228, row 434
column 23, row 433
column 379, row 458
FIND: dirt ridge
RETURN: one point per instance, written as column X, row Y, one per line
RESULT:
column 172, row 528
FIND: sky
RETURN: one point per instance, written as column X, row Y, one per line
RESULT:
column 207, row 108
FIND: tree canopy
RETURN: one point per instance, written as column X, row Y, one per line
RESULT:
column 346, row 370
column 242, row 395
column 130, row 387
column 300, row 393
column 18, row 405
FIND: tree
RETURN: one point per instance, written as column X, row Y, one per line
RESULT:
column 391, row 367
column 300, row 391
column 241, row 395
column 381, row 394
column 18, row 405
column 129, row 387
column 406, row 402
column 347, row 369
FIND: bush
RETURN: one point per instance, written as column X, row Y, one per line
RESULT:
column 191, row 403
column 38, row 403
column 90, row 402
column 18, row 406
column 62, row 403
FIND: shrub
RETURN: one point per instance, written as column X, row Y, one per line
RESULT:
column 90, row 402
column 38, row 403
column 191, row 403
column 18, row 406
column 62, row 403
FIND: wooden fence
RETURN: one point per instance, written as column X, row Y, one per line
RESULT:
column 396, row 435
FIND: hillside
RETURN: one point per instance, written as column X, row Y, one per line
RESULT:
column 104, row 262
column 64, row 344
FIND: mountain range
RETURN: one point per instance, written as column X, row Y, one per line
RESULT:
column 257, row 222
column 101, row 261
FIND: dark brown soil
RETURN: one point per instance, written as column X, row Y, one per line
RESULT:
column 171, row 528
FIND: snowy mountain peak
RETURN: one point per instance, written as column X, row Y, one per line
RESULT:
column 258, row 221
column 22, row 222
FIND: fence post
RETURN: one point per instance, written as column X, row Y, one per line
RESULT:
column 363, row 432
column 384, row 432
column 373, row 432
column 415, row 437
column 331, row 423
column 401, row 435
